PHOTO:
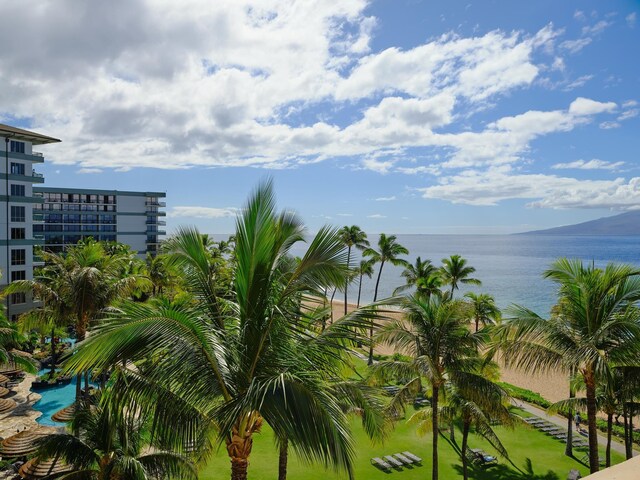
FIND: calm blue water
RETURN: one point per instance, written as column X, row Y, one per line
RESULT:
column 54, row 399
column 509, row 266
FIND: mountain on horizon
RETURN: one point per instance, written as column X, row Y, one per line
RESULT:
column 624, row 224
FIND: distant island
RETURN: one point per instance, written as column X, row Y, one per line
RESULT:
column 624, row 224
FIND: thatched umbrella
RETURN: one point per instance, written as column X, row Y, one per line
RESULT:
column 21, row 444
column 4, row 391
column 9, row 371
column 3, row 379
column 64, row 415
column 34, row 469
column 7, row 404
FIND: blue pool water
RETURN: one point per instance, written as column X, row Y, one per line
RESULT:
column 54, row 399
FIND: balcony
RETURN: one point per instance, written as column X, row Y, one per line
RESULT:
column 38, row 217
column 38, row 260
column 38, row 236
column 152, row 203
column 37, row 154
column 156, row 222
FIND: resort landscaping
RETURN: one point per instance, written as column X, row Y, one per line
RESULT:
column 230, row 359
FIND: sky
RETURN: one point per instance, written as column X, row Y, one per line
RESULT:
column 400, row 116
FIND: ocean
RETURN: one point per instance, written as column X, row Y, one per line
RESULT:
column 509, row 266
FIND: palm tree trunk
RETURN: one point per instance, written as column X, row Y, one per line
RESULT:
column 359, row 291
column 332, row 297
column 465, row 437
column 452, row 432
column 375, row 297
column 282, row 459
column 434, row 423
column 631, row 413
column 592, row 409
column 53, row 353
column 477, row 323
column 78, row 387
column 609, row 428
column 86, row 382
column 239, row 449
column 346, row 282
column 625, row 417
column 568, row 450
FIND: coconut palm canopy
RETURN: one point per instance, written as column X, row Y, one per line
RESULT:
column 228, row 366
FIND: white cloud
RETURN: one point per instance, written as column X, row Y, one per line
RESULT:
column 578, row 82
column 629, row 104
column 628, row 114
column 579, row 15
column 631, row 19
column 585, row 106
column 597, row 28
column 386, row 199
column 344, row 214
column 549, row 191
column 378, row 166
column 201, row 212
column 594, row 164
column 574, row 46
column 89, row 170
column 376, row 215
column 609, row 125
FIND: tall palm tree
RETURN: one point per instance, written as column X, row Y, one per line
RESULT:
column 596, row 327
column 483, row 308
column 76, row 287
column 112, row 444
column 455, row 271
column 352, row 236
column 389, row 250
column 365, row 269
column 10, row 339
column 443, row 351
column 417, row 276
column 160, row 275
column 481, row 413
column 227, row 365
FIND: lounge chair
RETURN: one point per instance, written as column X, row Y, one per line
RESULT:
column 482, row 458
column 393, row 461
column 413, row 457
column 574, row 475
column 404, row 459
column 381, row 464
column 585, row 459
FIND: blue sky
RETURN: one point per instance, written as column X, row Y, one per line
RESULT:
column 400, row 116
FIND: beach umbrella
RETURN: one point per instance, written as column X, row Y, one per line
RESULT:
column 35, row 469
column 64, row 415
column 8, row 371
column 4, row 391
column 21, row 444
column 3, row 379
column 7, row 404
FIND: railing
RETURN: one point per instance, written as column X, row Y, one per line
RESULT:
column 37, row 175
column 37, row 154
column 38, row 217
column 38, row 236
column 150, row 203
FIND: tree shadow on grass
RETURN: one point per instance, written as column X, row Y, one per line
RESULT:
column 503, row 472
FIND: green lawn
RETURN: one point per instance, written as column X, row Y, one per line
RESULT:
column 526, row 446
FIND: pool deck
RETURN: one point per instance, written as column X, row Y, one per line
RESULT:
column 24, row 415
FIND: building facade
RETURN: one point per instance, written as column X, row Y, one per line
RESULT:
column 18, row 210
column 73, row 214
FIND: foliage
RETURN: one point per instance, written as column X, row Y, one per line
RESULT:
column 525, row 395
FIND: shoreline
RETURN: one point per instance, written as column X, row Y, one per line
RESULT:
column 553, row 386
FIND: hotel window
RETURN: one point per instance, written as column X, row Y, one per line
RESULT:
column 18, row 257
column 17, row 214
column 18, row 298
column 17, row 168
column 18, row 233
column 16, row 147
column 18, row 275
column 17, row 190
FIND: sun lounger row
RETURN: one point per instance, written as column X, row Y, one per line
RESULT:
column 553, row 430
column 397, row 460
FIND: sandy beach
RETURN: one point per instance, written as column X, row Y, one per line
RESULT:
column 553, row 386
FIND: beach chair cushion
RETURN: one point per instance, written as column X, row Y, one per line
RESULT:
column 393, row 461
column 378, row 462
column 413, row 457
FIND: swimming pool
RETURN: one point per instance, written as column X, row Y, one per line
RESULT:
column 53, row 399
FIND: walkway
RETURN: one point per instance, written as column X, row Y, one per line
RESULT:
column 562, row 422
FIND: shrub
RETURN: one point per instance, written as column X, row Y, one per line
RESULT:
column 526, row 395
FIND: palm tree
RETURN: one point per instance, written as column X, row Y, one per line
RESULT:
column 388, row 251
column 455, row 270
column 365, row 269
column 352, row 236
column 78, row 286
column 10, row 339
column 484, row 309
column 443, row 351
column 111, row 445
column 417, row 276
column 159, row 274
column 596, row 328
column 226, row 365
column 481, row 413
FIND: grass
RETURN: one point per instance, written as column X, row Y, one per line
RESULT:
column 535, row 456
